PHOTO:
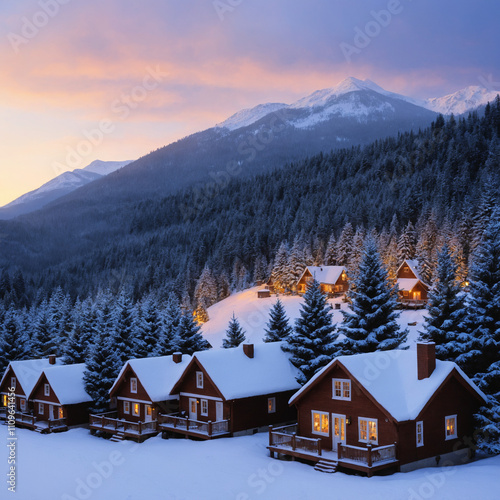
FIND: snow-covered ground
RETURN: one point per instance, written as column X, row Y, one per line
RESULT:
column 253, row 315
column 75, row 465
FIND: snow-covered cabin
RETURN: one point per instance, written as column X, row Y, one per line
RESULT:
column 412, row 289
column 398, row 409
column 233, row 391
column 332, row 279
column 141, row 392
column 22, row 376
column 59, row 398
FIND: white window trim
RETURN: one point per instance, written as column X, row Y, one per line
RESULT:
column 271, row 408
column 41, row 408
column 46, row 389
column 204, row 402
column 199, row 380
column 319, row 433
column 133, row 380
column 342, row 381
column 126, row 407
column 421, row 433
column 138, row 414
column 367, row 419
column 454, row 436
column 22, row 404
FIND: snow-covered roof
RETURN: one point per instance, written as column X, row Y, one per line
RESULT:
column 67, row 383
column 328, row 275
column 406, row 284
column 238, row 376
column 391, row 378
column 157, row 375
column 28, row 372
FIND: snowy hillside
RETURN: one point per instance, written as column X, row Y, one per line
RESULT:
column 106, row 167
column 251, row 115
column 253, row 314
column 462, row 101
column 85, row 466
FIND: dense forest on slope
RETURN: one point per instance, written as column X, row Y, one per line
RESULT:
column 235, row 226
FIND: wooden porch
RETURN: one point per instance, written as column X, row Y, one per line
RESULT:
column 284, row 441
column 411, row 304
column 192, row 428
column 29, row 421
column 109, row 424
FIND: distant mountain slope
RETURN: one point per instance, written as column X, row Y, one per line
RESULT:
column 59, row 186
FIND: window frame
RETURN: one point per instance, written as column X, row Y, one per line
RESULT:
column 367, row 420
column 133, row 385
column 199, row 380
column 60, row 412
column 126, row 407
column 134, row 413
column 271, row 405
column 22, row 404
column 342, row 381
column 321, row 414
column 455, row 435
column 41, row 408
column 13, row 383
column 204, row 407
column 46, row 389
column 419, row 433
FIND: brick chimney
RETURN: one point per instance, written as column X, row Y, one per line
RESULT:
column 426, row 359
column 248, row 350
column 177, row 357
column 52, row 359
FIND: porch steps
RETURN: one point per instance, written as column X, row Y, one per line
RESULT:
column 118, row 437
column 326, row 465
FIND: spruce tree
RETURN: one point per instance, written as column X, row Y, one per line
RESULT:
column 189, row 338
column 312, row 342
column 78, row 345
column 281, row 273
column 234, row 334
column 170, row 318
column 372, row 324
column 331, row 252
column 407, row 243
column 278, row 327
column 147, row 327
column 446, row 311
column 43, row 342
column 14, row 344
column 123, row 335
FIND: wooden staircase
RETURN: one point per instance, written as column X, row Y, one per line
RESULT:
column 326, row 465
column 118, row 437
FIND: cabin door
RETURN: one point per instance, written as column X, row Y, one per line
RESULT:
column 193, row 409
column 417, row 296
column 52, row 412
column 148, row 417
column 338, row 435
column 219, row 411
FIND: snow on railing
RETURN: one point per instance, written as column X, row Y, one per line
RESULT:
column 280, row 437
column 175, row 421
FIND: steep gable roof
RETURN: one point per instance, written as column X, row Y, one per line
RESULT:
column 236, row 375
column 390, row 377
column 157, row 375
column 327, row 275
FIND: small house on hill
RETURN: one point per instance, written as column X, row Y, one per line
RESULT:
column 233, row 391
column 412, row 289
column 389, row 409
column 21, row 376
column 332, row 279
column 59, row 398
column 141, row 391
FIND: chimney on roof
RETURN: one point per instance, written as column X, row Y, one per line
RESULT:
column 52, row 359
column 248, row 350
column 426, row 359
column 177, row 357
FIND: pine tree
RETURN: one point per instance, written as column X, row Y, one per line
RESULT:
column 43, row 342
column 372, row 324
column 169, row 324
column 14, row 344
column 331, row 252
column 79, row 342
column 312, row 342
column 234, row 334
column 407, row 243
column 281, row 274
column 206, row 289
column 278, row 327
column 123, row 335
column 344, row 245
column 147, row 327
column 189, row 338
column 446, row 310
column 296, row 262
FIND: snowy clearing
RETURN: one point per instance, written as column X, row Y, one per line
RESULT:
column 253, row 314
column 75, row 465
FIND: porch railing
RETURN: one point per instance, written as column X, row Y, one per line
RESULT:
column 286, row 437
column 368, row 456
column 174, row 421
column 25, row 418
column 106, row 422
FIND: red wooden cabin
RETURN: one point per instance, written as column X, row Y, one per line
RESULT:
column 412, row 289
column 332, row 279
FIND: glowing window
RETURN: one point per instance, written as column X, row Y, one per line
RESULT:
column 420, row 434
column 320, row 423
column 341, row 389
column 60, row 412
column 451, row 426
column 4, row 399
column 136, row 410
column 126, row 407
column 368, row 432
column 271, row 405
column 22, row 403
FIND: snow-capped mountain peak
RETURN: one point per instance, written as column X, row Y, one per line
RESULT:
column 248, row 116
column 105, row 167
column 461, row 101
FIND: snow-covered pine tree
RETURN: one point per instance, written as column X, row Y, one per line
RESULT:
column 331, row 252
column 296, row 262
column 43, row 342
column 170, row 318
column 123, row 334
column 234, row 334
column 259, row 270
column 278, row 327
column 147, row 327
column 344, row 245
column 356, row 252
column 312, row 341
column 445, row 323
column 407, row 243
column 372, row 324
column 189, row 338
column 14, row 344
column 426, row 247
column 281, row 274
column 205, row 291
column 78, row 345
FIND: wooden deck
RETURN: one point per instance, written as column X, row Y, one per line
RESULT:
column 192, row 428
column 107, row 423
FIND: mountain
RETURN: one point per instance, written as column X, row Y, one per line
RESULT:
column 61, row 185
column 461, row 102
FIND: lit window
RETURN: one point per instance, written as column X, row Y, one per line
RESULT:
column 451, row 426
column 199, row 380
column 133, row 385
column 368, row 430
column 271, row 405
column 60, row 412
column 420, row 434
column 136, row 410
column 344, row 276
column 126, row 407
column 406, row 269
column 341, row 389
column 46, row 390
column 4, row 399
column 204, row 407
column 320, row 423
column 22, row 403
column 13, row 383
column 41, row 408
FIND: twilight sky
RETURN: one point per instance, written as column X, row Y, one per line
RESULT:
column 113, row 79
